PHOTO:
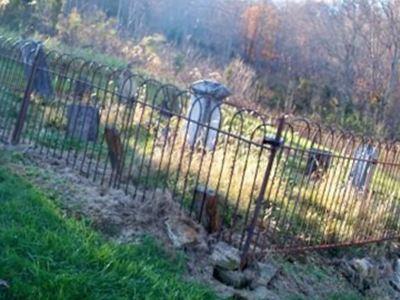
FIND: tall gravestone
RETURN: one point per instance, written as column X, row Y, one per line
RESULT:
column 42, row 82
column 170, row 102
column 115, row 150
column 363, row 166
column 205, row 113
column 127, row 87
column 170, row 106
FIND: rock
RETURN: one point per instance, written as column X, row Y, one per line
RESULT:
column 265, row 273
column 386, row 269
column 226, row 256
column 394, row 250
column 260, row 293
column 361, row 273
column 362, row 266
column 236, row 279
column 4, row 284
column 395, row 280
column 182, row 233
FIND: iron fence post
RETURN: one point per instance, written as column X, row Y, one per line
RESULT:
column 275, row 145
column 16, row 135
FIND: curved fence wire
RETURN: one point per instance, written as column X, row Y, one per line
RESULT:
column 258, row 183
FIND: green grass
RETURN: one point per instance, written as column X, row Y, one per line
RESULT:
column 45, row 256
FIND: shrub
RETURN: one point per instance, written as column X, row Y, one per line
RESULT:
column 240, row 78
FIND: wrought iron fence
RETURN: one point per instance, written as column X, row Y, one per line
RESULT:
column 264, row 184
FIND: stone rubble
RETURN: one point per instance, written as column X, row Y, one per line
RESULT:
column 184, row 233
column 395, row 278
column 369, row 274
column 225, row 256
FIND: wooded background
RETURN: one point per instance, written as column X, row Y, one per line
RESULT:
column 335, row 62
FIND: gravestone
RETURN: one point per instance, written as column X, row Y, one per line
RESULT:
column 205, row 113
column 42, row 83
column 83, row 122
column 127, row 86
column 318, row 161
column 115, row 149
column 170, row 104
column 362, row 170
column 61, row 82
column 205, row 207
column 82, row 89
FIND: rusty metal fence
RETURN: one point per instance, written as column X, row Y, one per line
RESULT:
column 267, row 184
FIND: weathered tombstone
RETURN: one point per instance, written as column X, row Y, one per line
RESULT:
column 205, row 113
column 115, row 149
column 318, row 161
column 362, row 170
column 127, row 86
column 82, row 89
column 62, row 78
column 83, row 122
column 205, row 207
column 42, row 83
column 83, row 119
column 170, row 106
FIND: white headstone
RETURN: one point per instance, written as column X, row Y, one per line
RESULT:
column 205, row 113
column 363, row 166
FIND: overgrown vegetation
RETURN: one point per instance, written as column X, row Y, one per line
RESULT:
column 315, row 66
column 265, row 70
column 314, row 210
column 44, row 255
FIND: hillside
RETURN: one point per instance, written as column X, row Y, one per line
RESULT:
column 119, row 179
column 72, row 229
column 46, row 254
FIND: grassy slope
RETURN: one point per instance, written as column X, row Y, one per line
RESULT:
column 314, row 277
column 45, row 256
